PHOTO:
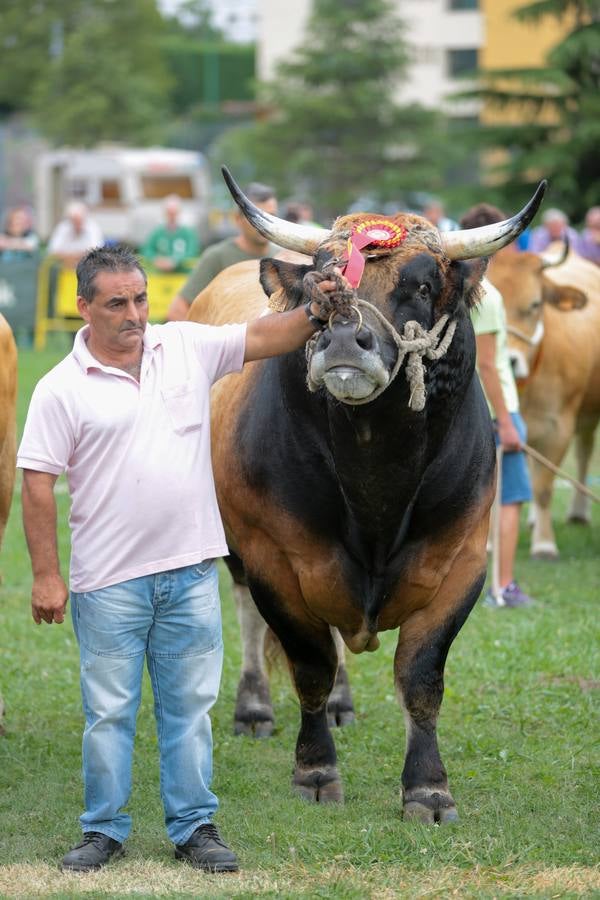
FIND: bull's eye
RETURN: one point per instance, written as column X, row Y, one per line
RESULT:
column 424, row 289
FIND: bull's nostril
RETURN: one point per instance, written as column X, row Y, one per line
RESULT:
column 364, row 339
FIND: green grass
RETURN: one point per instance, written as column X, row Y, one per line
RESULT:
column 518, row 733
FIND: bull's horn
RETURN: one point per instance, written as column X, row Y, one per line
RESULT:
column 302, row 238
column 549, row 261
column 472, row 242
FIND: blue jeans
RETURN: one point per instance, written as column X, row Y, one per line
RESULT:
column 173, row 620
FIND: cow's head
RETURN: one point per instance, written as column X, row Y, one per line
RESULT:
column 526, row 290
column 423, row 277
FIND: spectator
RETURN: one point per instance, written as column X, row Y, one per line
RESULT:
column 248, row 244
column 495, row 372
column 18, row 239
column 299, row 212
column 170, row 246
column 434, row 212
column 554, row 227
column 588, row 242
column 74, row 235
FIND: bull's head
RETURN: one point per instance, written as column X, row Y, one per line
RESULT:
column 526, row 290
column 425, row 278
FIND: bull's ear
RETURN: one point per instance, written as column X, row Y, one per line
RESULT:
column 463, row 282
column 285, row 279
column 563, row 297
column 475, row 270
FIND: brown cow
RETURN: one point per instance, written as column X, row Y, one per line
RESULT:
column 355, row 489
column 553, row 315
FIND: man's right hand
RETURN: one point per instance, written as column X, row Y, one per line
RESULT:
column 49, row 596
column 508, row 436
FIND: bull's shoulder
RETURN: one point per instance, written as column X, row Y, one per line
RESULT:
column 234, row 295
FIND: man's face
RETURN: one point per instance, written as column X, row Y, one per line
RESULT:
column 250, row 233
column 555, row 228
column 118, row 314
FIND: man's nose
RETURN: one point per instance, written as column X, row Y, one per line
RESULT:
column 133, row 312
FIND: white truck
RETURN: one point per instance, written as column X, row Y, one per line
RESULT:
column 123, row 188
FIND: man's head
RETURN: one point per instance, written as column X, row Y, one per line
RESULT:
column 76, row 213
column 592, row 223
column 112, row 299
column 481, row 214
column 264, row 197
column 172, row 209
column 555, row 221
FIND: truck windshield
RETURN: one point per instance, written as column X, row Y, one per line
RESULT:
column 155, row 187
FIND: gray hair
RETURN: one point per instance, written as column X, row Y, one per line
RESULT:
column 104, row 259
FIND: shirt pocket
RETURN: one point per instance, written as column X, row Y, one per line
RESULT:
column 184, row 406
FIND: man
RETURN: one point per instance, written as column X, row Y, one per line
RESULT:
column 74, row 235
column 554, row 227
column 495, row 372
column 434, row 212
column 248, row 244
column 170, row 246
column 588, row 242
column 126, row 415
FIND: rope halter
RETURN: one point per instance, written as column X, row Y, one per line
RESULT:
column 415, row 342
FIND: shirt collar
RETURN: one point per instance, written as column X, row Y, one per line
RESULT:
column 82, row 355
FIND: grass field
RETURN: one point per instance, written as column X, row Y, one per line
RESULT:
column 518, row 732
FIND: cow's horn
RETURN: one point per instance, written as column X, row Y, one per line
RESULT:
column 302, row 238
column 549, row 261
column 472, row 242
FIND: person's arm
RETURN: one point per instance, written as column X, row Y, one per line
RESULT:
column 486, row 363
column 49, row 592
column 203, row 273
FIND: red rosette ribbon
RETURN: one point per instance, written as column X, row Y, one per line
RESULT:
column 380, row 234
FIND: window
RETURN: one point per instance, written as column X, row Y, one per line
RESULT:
column 155, row 187
column 110, row 193
column 461, row 62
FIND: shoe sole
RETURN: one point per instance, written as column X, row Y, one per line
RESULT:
column 83, row 869
column 206, row 867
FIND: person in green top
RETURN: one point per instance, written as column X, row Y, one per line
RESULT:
column 170, row 247
column 495, row 372
column 247, row 244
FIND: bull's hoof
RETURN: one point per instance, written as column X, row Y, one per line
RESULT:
column 546, row 555
column 429, row 807
column 318, row 785
column 339, row 715
column 253, row 726
column 579, row 519
column 340, row 708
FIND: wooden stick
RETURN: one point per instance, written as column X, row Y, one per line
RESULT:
column 550, row 465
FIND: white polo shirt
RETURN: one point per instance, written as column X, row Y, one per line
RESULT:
column 137, row 456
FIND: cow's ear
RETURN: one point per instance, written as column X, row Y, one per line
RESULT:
column 284, row 279
column 563, row 297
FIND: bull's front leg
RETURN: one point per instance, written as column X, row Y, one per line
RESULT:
column 425, row 639
column 312, row 656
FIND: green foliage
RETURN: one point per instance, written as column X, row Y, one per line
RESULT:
column 335, row 131
column 559, row 135
column 208, row 72
column 89, row 71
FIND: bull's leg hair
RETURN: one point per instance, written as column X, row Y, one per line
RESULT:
column 419, row 676
column 340, row 708
column 312, row 657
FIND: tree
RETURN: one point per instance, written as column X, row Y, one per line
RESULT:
column 334, row 130
column 88, row 70
column 558, row 132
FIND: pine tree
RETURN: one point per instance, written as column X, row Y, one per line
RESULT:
column 558, row 135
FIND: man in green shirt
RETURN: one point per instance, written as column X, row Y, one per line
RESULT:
column 170, row 247
column 495, row 372
column 247, row 244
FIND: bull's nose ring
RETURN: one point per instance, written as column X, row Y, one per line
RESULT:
column 358, row 315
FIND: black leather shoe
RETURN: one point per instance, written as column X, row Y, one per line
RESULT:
column 207, row 850
column 92, row 853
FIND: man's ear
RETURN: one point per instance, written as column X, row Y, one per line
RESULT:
column 82, row 308
column 286, row 279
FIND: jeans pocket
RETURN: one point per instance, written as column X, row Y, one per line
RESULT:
column 201, row 570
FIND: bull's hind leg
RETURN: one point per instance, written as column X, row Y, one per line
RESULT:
column 312, row 657
column 340, row 708
column 253, row 709
column 579, row 510
column 425, row 639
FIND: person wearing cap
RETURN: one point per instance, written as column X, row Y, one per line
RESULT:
column 588, row 242
column 247, row 244
column 555, row 227
column 170, row 246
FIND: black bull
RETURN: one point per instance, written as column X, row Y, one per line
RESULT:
column 356, row 514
